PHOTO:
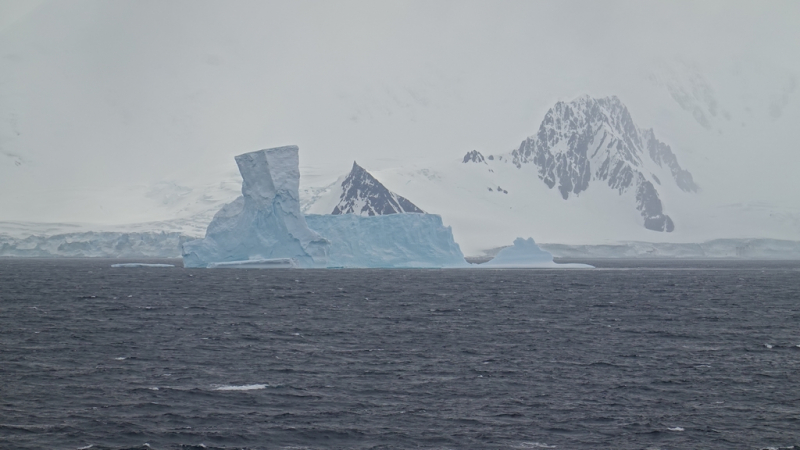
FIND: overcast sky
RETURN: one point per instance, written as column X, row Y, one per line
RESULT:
column 101, row 94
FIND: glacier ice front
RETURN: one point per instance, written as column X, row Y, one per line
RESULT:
column 265, row 228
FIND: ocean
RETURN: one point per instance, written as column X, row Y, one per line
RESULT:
column 632, row 355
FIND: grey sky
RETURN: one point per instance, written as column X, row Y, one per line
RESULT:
column 99, row 94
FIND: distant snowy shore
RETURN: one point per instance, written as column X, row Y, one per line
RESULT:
column 156, row 244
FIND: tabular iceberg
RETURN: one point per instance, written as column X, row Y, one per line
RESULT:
column 265, row 223
column 525, row 254
column 264, row 228
column 388, row 241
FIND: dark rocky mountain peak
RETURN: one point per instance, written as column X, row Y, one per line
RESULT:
column 474, row 156
column 364, row 195
column 595, row 141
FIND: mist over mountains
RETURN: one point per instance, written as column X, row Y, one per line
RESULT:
column 103, row 126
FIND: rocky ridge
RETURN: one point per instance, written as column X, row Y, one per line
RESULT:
column 362, row 194
column 592, row 141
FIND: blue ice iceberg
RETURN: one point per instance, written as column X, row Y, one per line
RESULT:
column 265, row 223
column 264, row 228
column 388, row 241
column 525, row 254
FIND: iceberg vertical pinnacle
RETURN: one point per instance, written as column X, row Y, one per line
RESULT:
column 271, row 173
column 265, row 222
column 281, row 189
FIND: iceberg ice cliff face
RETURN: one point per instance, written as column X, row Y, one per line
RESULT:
column 265, row 223
column 264, row 228
column 388, row 241
column 526, row 254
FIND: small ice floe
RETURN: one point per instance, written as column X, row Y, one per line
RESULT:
column 121, row 358
column 246, row 387
column 276, row 263
column 768, row 345
column 675, row 429
column 533, row 445
column 141, row 265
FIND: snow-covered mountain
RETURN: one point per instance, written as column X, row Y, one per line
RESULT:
column 595, row 141
column 590, row 175
column 363, row 195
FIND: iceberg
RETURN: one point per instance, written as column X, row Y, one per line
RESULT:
column 136, row 265
column 525, row 254
column 264, row 228
column 388, row 241
column 265, row 223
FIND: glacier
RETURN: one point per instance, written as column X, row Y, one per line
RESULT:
column 525, row 254
column 408, row 240
column 265, row 228
column 94, row 244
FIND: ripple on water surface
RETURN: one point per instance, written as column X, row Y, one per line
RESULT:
column 671, row 355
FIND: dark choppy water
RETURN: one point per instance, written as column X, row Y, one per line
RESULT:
column 678, row 355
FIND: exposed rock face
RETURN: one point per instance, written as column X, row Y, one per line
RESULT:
column 474, row 156
column 363, row 195
column 265, row 222
column 595, row 139
column 663, row 156
column 648, row 203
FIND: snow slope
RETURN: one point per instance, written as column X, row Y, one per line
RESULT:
column 484, row 217
column 596, row 141
column 584, row 179
column 730, row 123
